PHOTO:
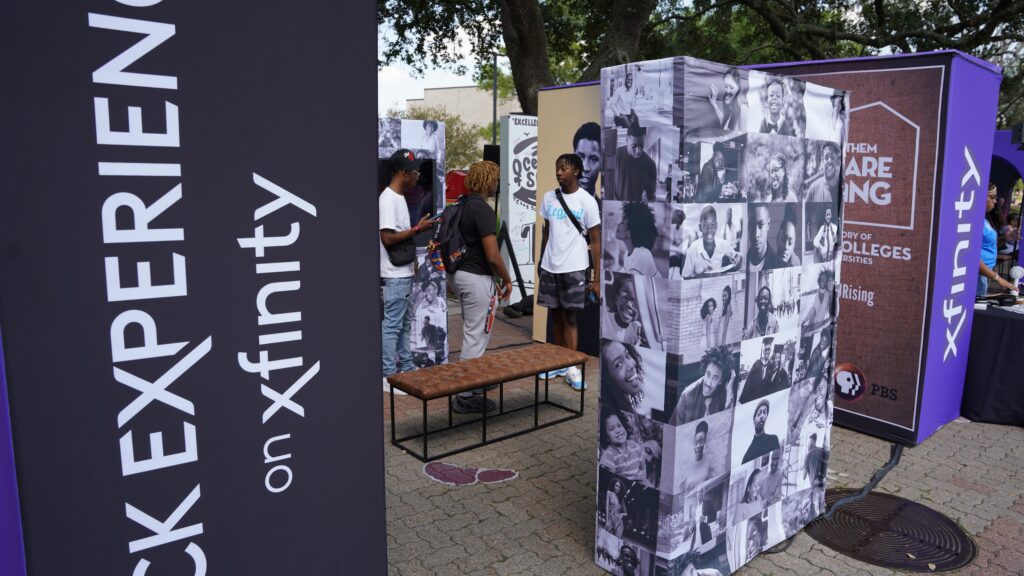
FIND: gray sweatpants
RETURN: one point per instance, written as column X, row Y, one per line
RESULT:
column 474, row 292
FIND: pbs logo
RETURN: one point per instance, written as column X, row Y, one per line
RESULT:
column 849, row 382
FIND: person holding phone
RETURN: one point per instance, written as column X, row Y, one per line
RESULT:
column 396, row 279
column 473, row 283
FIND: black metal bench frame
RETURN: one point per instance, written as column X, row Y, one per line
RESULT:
column 537, row 403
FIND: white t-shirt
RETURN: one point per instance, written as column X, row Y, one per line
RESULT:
column 641, row 262
column 567, row 249
column 394, row 215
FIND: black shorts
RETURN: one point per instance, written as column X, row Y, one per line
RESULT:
column 562, row 290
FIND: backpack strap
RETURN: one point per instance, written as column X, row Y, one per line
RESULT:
column 572, row 217
column 579, row 229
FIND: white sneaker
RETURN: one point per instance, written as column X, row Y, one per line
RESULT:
column 387, row 388
column 575, row 379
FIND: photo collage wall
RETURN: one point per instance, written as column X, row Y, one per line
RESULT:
column 722, row 224
column 425, row 138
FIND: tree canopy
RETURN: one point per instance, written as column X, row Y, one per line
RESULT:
column 551, row 42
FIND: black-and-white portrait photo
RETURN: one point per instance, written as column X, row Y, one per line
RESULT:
column 695, row 453
column 714, row 562
column 815, row 356
column 821, row 229
column 630, row 312
column 389, row 136
column 622, row 557
column 715, row 100
column 638, row 93
column 809, row 428
column 705, row 387
column 711, row 313
column 776, row 105
column 766, row 365
column 631, row 446
column 632, row 378
column 627, row 509
column 428, row 328
column 747, row 540
column 639, row 162
column 424, row 136
column 822, row 171
column 748, row 490
column 586, row 143
column 782, row 288
column 693, row 523
column 719, row 166
column 801, row 509
column 682, row 174
column 826, row 113
column 712, row 234
column 773, row 168
column 643, row 242
column 774, row 236
column 759, row 427
column 816, row 294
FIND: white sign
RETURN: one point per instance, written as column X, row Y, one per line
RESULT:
column 519, row 195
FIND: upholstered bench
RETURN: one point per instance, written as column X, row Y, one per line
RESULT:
column 491, row 369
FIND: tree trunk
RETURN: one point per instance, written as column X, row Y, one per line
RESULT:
column 522, row 26
column 622, row 41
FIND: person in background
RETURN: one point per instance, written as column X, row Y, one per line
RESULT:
column 565, row 272
column 760, row 250
column 818, row 312
column 785, row 247
column 620, row 452
column 431, row 139
column 636, row 174
column 826, row 185
column 825, row 239
column 473, row 283
column 396, row 281
column 728, row 112
column 707, row 317
column 765, row 322
column 709, row 394
column 708, row 256
column 623, row 103
column 638, row 232
column 775, row 97
column 725, row 315
column 587, row 145
column 986, row 268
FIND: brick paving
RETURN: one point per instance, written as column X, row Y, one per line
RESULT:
column 542, row 523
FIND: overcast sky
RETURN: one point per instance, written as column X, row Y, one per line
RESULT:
column 396, row 83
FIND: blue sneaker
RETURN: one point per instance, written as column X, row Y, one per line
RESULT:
column 575, row 379
column 554, row 374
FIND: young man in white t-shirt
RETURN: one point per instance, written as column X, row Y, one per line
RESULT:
column 396, row 281
column 565, row 264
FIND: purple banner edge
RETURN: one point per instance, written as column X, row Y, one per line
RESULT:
column 968, row 127
column 972, row 59
column 12, row 545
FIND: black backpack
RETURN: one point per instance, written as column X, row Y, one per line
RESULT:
column 447, row 249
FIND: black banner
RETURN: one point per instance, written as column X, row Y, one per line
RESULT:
column 182, row 239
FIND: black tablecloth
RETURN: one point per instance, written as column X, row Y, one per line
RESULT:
column 994, row 386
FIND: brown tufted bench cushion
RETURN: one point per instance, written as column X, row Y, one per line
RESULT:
column 491, row 368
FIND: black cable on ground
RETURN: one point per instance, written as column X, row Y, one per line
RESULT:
column 895, row 451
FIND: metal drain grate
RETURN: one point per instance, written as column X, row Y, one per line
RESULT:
column 893, row 532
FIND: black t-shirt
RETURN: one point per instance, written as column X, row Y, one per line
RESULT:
column 477, row 222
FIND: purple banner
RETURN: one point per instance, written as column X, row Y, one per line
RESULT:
column 972, row 103
column 12, row 548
